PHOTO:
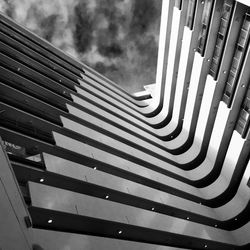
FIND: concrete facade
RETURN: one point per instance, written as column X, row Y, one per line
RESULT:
column 165, row 168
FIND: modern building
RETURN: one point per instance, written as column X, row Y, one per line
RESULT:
column 85, row 165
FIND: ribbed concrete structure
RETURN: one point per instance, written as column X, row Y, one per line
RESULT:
column 167, row 167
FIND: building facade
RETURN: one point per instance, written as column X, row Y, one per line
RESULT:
column 164, row 168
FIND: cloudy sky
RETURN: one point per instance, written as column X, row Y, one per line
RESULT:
column 118, row 38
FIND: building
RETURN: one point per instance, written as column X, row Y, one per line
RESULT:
column 165, row 168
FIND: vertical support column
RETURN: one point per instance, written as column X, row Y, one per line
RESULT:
column 14, row 233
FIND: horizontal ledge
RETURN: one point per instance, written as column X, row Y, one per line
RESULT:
column 66, row 222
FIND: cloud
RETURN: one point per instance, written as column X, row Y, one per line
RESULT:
column 144, row 15
column 49, row 24
column 7, row 7
column 125, row 40
column 110, row 49
column 83, row 31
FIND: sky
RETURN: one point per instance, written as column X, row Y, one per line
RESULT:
column 118, row 38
